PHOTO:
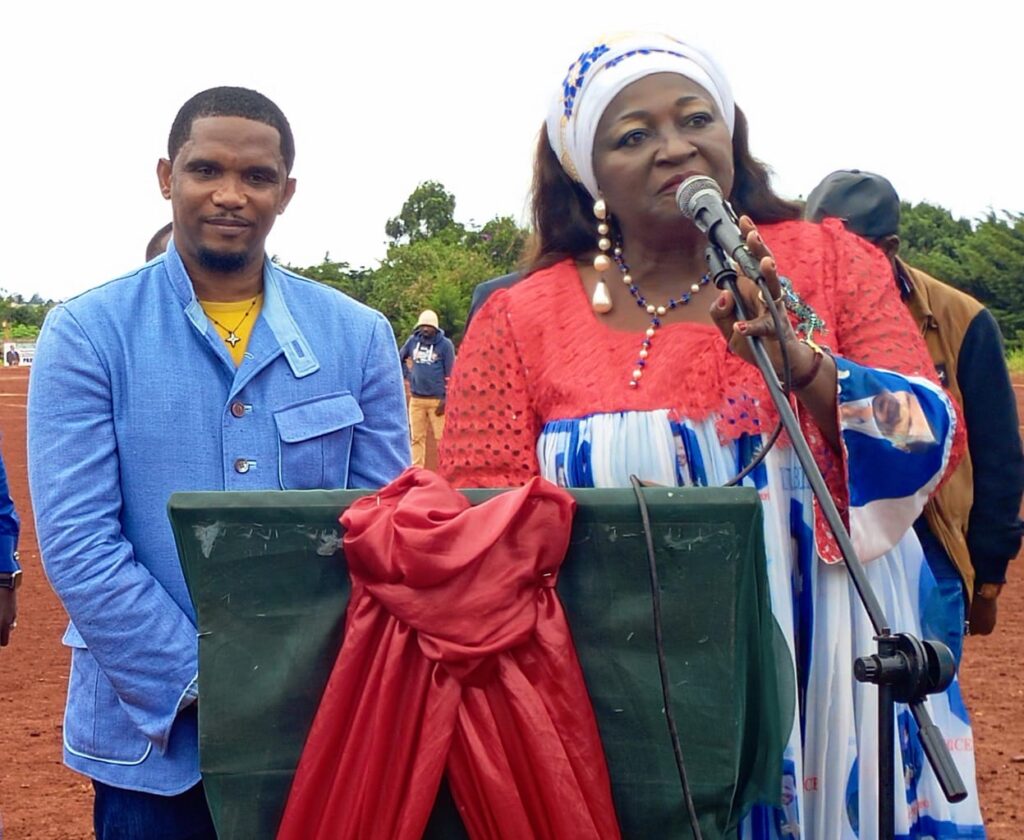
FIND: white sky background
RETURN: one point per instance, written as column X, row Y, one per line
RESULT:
column 382, row 95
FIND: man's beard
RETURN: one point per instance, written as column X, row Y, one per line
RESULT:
column 223, row 263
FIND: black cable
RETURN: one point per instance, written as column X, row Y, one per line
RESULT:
column 759, row 456
column 662, row 664
column 787, row 377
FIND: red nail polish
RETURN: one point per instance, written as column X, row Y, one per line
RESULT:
column 741, row 326
column 723, row 301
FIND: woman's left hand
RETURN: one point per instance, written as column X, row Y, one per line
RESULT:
column 813, row 372
column 759, row 323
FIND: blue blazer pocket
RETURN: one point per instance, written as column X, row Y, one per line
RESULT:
column 315, row 441
column 95, row 725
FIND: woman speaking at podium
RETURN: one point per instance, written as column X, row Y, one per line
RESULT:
column 616, row 356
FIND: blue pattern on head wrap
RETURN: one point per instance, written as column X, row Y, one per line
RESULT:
column 576, row 75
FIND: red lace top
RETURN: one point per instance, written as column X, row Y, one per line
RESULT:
column 536, row 352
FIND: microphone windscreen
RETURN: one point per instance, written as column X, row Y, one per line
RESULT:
column 687, row 190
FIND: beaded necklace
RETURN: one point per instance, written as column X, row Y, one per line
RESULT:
column 656, row 312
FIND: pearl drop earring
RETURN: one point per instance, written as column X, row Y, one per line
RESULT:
column 601, row 300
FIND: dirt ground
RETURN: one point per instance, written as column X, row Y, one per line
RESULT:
column 41, row 800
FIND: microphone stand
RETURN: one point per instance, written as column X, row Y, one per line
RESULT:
column 905, row 669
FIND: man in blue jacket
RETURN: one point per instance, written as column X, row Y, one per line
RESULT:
column 210, row 368
column 10, row 571
column 427, row 360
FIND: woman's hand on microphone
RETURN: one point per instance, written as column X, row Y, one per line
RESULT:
column 817, row 373
column 760, row 322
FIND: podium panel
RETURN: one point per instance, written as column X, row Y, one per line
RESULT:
column 269, row 582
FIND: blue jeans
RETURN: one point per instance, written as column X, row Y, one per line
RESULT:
column 944, row 611
column 120, row 814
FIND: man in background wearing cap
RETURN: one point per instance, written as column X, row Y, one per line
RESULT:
column 427, row 361
column 971, row 527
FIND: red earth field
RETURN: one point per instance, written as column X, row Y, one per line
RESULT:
column 41, row 800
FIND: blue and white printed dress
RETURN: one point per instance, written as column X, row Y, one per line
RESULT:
column 541, row 386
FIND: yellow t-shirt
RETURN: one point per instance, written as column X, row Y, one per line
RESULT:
column 233, row 320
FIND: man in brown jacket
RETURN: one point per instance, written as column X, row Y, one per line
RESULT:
column 971, row 527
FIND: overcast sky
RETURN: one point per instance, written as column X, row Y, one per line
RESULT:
column 382, row 95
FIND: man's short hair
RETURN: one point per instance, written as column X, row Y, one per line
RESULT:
column 866, row 203
column 231, row 102
column 157, row 245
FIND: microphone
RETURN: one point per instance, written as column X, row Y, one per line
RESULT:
column 700, row 199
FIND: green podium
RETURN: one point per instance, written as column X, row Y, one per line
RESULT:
column 268, row 578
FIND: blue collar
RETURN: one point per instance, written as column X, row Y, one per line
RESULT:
column 286, row 333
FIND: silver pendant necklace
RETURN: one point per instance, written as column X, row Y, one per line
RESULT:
column 232, row 338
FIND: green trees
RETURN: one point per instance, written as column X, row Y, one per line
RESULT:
column 354, row 282
column 986, row 260
column 435, row 262
column 428, row 211
column 439, row 271
column 993, row 260
column 931, row 239
column 21, row 319
column 432, row 262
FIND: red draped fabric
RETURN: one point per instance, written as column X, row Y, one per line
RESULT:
column 457, row 655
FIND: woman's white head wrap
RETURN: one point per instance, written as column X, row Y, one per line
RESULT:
column 600, row 73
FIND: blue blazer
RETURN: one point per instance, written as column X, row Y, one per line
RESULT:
column 133, row 396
